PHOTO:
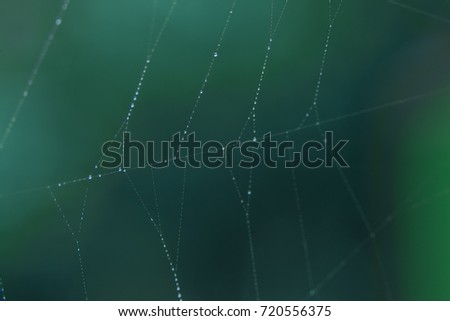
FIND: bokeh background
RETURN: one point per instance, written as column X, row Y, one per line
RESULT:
column 381, row 54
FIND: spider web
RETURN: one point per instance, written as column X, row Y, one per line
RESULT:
column 163, row 221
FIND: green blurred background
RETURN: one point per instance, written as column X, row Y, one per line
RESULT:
column 379, row 53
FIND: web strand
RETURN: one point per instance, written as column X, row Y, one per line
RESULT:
column 161, row 237
column 34, row 73
column 75, row 240
column 419, row 11
column 301, row 222
column 180, row 220
column 201, row 92
column 362, row 214
column 366, row 241
column 252, row 117
column 246, row 207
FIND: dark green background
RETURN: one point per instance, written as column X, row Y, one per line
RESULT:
column 399, row 156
